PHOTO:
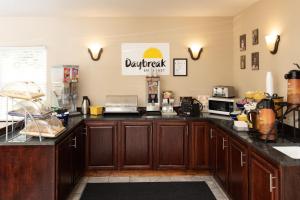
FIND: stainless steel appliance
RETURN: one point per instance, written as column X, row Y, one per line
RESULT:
column 222, row 106
column 85, row 105
column 122, row 104
column 223, row 91
column 153, row 94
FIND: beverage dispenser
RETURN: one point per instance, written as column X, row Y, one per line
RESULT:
column 64, row 80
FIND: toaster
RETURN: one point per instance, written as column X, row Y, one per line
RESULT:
column 223, row 91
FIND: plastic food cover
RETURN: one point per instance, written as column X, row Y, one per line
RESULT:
column 22, row 90
column 35, row 108
column 50, row 127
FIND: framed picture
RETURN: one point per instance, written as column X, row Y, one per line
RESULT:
column 243, row 62
column 243, row 42
column 180, row 66
column 255, row 37
column 255, row 61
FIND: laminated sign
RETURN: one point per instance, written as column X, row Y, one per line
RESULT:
column 141, row 58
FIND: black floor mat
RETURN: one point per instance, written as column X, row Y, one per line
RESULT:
column 148, row 191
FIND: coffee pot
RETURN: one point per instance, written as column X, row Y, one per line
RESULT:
column 85, row 105
column 293, row 77
column 263, row 119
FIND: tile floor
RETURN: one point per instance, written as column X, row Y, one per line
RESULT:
column 215, row 188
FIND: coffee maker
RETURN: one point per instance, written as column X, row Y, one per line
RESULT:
column 263, row 119
column 153, row 94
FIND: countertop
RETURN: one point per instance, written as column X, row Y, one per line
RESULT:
column 222, row 122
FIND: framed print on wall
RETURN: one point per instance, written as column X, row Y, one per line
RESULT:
column 243, row 42
column 243, row 62
column 255, row 61
column 180, row 67
column 255, row 37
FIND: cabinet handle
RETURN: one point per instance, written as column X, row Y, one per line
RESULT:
column 242, row 160
column 75, row 142
column 84, row 132
column 211, row 133
column 271, row 183
column 187, row 131
column 224, row 143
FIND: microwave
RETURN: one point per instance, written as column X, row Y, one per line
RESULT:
column 221, row 106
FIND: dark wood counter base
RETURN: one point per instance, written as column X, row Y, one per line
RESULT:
column 146, row 147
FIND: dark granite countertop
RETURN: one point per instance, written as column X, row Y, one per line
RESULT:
column 224, row 123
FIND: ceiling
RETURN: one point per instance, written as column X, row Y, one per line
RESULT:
column 121, row 8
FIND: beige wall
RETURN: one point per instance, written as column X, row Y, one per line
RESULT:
column 67, row 38
column 268, row 16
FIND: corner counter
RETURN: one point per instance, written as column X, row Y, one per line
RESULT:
column 51, row 168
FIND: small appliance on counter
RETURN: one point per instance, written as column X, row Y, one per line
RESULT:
column 121, row 104
column 263, row 119
column 153, row 95
column 168, row 103
column 85, row 105
column 64, row 81
column 293, row 77
column 223, row 91
column 221, row 106
column 190, row 106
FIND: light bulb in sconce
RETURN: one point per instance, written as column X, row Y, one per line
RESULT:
column 95, row 50
column 195, row 51
column 272, row 42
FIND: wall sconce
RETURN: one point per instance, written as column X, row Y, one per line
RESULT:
column 273, row 42
column 95, row 51
column 195, row 51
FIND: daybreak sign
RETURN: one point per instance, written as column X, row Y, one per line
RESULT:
column 141, row 58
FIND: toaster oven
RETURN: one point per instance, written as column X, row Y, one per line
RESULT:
column 223, row 91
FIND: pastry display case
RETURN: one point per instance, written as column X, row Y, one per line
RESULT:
column 27, row 114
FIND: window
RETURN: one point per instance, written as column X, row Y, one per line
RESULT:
column 22, row 64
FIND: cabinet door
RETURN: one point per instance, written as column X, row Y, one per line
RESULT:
column 64, row 167
column 79, row 153
column 222, row 158
column 102, row 145
column 136, row 145
column 238, row 171
column 200, row 145
column 172, row 144
column 263, row 177
column 212, row 149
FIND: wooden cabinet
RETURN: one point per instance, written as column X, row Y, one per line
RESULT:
column 238, row 170
column 102, row 145
column 136, row 145
column 65, row 167
column 70, row 162
column 263, row 179
column 199, row 152
column 171, row 140
column 79, row 152
column 27, row 172
column 212, row 149
column 222, row 158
